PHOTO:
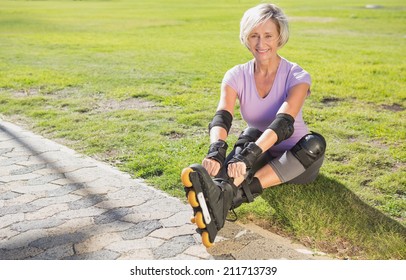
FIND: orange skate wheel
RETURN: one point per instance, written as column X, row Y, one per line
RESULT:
column 206, row 240
column 192, row 220
column 185, row 177
column 191, row 197
column 199, row 220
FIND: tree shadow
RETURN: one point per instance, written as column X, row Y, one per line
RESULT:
column 327, row 215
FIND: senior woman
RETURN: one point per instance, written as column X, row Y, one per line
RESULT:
column 275, row 148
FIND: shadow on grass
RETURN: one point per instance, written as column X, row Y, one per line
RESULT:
column 330, row 217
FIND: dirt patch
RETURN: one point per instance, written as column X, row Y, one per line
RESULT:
column 393, row 108
column 128, row 104
column 59, row 94
column 66, row 92
column 99, row 105
column 173, row 135
column 237, row 127
column 25, row 93
column 238, row 241
column 329, row 101
column 398, row 165
column 378, row 144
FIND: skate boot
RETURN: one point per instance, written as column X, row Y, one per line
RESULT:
column 210, row 200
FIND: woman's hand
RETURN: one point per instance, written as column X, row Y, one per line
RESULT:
column 212, row 166
column 237, row 169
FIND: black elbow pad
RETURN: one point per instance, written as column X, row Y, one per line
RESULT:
column 282, row 126
column 222, row 118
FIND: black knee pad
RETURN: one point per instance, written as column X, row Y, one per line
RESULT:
column 309, row 149
column 250, row 134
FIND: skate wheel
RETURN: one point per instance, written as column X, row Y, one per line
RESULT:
column 185, row 177
column 191, row 197
column 192, row 220
column 199, row 220
column 206, row 240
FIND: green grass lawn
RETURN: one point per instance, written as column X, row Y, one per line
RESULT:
column 135, row 83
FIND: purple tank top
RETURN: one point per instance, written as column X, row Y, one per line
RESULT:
column 260, row 112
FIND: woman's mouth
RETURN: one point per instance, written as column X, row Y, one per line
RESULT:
column 262, row 51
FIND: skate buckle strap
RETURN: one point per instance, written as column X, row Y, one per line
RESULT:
column 247, row 192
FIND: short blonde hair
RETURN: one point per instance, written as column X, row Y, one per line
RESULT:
column 259, row 14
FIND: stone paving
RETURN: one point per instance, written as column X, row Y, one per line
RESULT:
column 58, row 204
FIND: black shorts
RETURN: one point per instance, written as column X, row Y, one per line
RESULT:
column 288, row 168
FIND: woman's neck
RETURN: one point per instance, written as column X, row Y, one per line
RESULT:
column 266, row 68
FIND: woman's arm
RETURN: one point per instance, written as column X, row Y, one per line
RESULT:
column 294, row 102
column 227, row 102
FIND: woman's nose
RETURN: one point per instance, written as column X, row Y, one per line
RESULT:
column 260, row 41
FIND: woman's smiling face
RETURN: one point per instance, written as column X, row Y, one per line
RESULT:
column 263, row 41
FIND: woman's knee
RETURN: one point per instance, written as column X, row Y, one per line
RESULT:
column 309, row 149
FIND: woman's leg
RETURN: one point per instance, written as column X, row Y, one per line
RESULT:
column 268, row 177
column 300, row 165
column 288, row 169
